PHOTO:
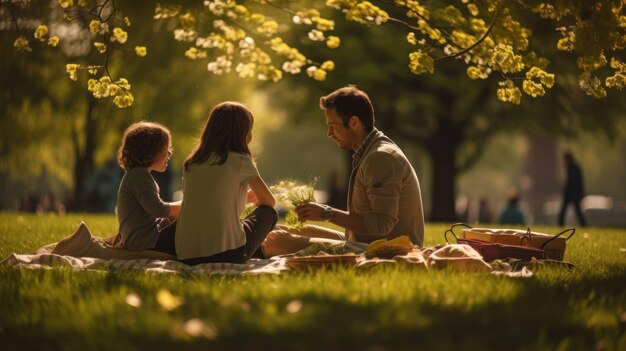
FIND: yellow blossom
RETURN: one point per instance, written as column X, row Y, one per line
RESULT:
column 328, row 65
column 120, row 35
column 41, row 32
column 477, row 72
column 532, row 88
column 100, row 46
column 509, row 92
column 193, row 53
column 124, row 99
column 618, row 80
column 324, row 24
column 473, row 9
column 257, row 18
column 94, row 27
column 163, row 12
column 333, row 42
column 53, row 41
column 71, row 68
column 66, row 3
column 268, row 28
column 316, row 73
column 127, row 21
column 505, row 58
column 420, row 62
column 141, row 51
column 21, row 44
column 591, row 85
column 187, row 21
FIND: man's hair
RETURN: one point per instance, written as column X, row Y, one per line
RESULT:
column 141, row 144
column 226, row 130
column 350, row 101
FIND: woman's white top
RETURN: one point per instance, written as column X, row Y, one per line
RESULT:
column 214, row 196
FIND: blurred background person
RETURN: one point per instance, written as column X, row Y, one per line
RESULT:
column 511, row 214
column 574, row 191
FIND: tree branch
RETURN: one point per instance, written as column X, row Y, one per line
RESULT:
column 479, row 41
column 9, row 7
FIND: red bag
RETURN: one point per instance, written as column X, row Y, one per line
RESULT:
column 494, row 251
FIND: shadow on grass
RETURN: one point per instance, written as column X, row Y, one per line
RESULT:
column 584, row 315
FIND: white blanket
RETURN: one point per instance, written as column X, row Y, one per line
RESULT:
column 81, row 250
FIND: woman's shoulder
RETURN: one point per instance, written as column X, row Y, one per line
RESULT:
column 239, row 158
column 238, row 155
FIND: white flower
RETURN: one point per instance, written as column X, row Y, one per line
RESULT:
column 316, row 35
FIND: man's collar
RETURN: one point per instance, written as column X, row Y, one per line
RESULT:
column 358, row 154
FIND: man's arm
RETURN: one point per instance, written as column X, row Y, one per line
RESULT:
column 314, row 212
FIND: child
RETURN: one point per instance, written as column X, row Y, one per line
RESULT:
column 216, row 178
column 143, row 217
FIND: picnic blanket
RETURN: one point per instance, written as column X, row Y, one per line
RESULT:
column 81, row 250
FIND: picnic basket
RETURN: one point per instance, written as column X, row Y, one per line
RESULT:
column 553, row 246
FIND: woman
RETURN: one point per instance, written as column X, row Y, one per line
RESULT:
column 216, row 178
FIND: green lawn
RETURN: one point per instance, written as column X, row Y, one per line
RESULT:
column 387, row 309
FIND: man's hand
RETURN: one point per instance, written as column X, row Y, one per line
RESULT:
column 310, row 212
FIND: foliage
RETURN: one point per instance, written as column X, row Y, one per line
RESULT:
column 290, row 195
column 249, row 38
column 397, row 308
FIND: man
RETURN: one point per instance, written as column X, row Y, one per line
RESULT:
column 384, row 198
column 573, row 192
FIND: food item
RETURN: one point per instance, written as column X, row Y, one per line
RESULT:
column 384, row 248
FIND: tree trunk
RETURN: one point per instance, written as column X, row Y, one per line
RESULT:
column 542, row 183
column 442, row 148
column 84, row 156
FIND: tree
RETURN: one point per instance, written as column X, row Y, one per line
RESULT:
column 450, row 117
column 49, row 124
column 488, row 36
column 251, row 39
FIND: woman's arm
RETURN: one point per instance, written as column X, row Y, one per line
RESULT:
column 262, row 192
column 251, row 198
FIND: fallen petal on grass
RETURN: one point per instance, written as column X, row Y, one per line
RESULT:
column 133, row 300
column 294, row 306
column 197, row 328
column 168, row 301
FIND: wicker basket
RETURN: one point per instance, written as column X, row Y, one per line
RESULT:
column 553, row 245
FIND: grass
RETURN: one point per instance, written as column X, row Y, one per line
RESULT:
column 340, row 309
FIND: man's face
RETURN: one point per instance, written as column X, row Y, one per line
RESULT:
column 341, row 135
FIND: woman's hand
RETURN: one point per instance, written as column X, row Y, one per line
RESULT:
column 261, row 192
column 251, row 198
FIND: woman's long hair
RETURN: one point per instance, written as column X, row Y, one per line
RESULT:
column 226, row 130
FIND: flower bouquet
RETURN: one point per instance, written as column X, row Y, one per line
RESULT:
column 290, row 195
